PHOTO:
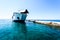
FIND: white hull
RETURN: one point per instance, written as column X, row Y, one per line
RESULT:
column 19, row 16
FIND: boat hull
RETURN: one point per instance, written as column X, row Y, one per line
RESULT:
column 22, row 21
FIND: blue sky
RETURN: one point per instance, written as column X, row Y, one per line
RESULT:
column 38, row 9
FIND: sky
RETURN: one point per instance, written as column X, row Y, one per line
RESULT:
column 38, row 9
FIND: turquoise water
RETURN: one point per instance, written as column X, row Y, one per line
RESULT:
column 10, row 30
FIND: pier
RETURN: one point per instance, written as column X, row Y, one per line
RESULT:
column 48, row 23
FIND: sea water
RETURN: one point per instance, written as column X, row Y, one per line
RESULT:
column 10, row 30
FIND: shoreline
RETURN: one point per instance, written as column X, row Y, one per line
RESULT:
column 49, row 23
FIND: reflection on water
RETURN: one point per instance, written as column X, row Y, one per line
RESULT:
column 27, row 31
column 19, row 31
column 13, row 31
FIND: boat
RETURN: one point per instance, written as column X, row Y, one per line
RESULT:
column 20, row 16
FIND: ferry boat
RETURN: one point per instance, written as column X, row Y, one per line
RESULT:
column 20, row 16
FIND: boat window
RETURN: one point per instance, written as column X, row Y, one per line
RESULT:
column 17, row 17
